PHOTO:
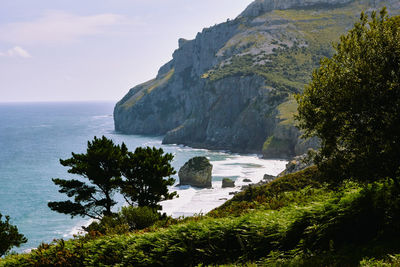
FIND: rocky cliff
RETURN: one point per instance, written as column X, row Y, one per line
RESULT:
column 232, row 86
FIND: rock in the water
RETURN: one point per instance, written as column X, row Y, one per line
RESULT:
column 226, row 182
column 196, row 172
column 246, row 180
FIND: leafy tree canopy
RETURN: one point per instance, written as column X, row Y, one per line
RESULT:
column 100, row 165
column 9, row 236
column 142, row 177
column 353, row 102
column 147, row 173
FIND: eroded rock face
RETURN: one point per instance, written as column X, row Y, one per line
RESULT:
column 297, row 164
column 196, row 172
column 226, row 182
column 225, row 89
column 259, row 7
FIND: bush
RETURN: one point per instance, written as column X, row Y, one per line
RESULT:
column 336, row 228
column 127, row 220
column 273, row 195
column 9, row 236
column 353, row 103
column 139, row 217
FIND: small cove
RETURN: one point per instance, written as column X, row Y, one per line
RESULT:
column 34, row 136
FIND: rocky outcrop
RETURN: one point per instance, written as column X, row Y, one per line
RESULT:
column 268, row 177
column 260, row 7
column 297, row 164
column 226, row 182
column 196, row 172
column 231, row 87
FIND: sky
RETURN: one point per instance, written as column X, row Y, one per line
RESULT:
column 94, row 50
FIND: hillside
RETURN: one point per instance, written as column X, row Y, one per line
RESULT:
column 293, row 221
column 340, row 212
column 231, row 87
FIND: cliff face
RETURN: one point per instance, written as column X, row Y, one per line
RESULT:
column 231, row 87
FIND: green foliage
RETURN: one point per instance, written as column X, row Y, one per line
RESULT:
column 145, row 172
column 287, row 111
column 389, row 261
column 100, row 165
column 353, row 102
column 313, row 227
column 274, row 146
column 354, row 224
column 274, row 195
column 198, row 163
column 139, row 217
column 287, row 69
column 104, row 164
column 127, row 220
column 146, row 88
column 9, row 236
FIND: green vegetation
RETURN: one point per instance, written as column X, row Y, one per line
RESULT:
column 101, row 166
column 275, row 145
column 198, row 163
column 274, row 195
column 287, row 111
column 9, row 236
column 289, row 66
column 127, row 220
column 287, row 69
column 105, row 164
column 297, row 48
column 353, row 102
column 144, row 173
column 301, row 219
column 148, row 87
column 312, row 226
column 160, row 82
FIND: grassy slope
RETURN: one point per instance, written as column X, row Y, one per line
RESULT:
column 289, row 68
column 293, row 220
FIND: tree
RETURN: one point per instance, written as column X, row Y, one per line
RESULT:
column 101, row 166
column 353, row 102
column 9, row 236
column 145, row 172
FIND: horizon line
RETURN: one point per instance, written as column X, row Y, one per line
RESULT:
column 55, row 101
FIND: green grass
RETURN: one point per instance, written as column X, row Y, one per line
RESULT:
column 274, row 195
column 287, row 111
column 287, row 69
column 296, row 221
column 147, row 88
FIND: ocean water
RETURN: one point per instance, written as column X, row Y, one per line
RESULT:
column 34, row 136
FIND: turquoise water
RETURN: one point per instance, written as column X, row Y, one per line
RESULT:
column 34, row 136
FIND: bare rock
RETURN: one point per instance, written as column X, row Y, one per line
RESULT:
column 226, row 182
column 196, row 172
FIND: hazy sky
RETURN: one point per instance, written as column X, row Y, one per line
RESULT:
column 94, row 49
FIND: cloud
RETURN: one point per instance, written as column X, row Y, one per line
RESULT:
column 16, row 51
column 56, row 27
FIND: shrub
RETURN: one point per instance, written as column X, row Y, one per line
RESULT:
column 127, row 220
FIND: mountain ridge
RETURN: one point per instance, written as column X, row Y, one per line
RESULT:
column 259, row 7
column 231, row 87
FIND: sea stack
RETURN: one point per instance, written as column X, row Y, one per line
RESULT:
column 226, row 182
column 196, row 172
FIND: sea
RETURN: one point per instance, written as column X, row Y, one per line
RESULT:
column 34, row 136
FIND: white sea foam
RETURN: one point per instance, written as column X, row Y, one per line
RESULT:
column 77, row 229
column 195, row 200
